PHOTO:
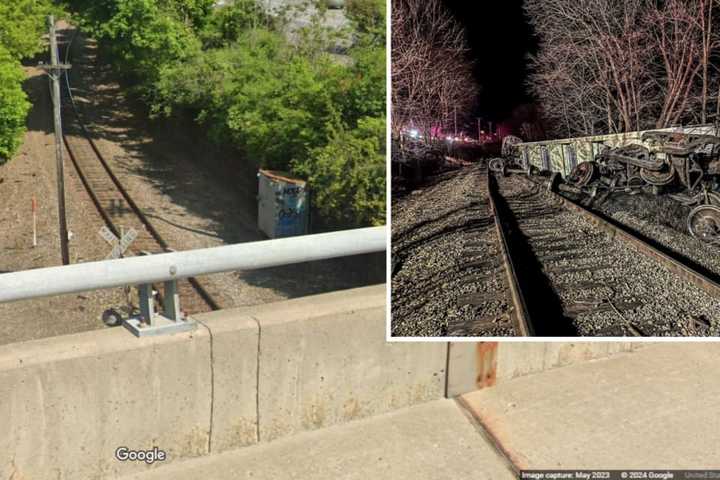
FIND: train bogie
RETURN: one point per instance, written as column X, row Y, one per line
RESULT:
column 683, row 163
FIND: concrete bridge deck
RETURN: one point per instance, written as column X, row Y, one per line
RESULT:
column 656, row 408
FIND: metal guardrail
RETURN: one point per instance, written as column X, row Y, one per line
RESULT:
column 169, row 267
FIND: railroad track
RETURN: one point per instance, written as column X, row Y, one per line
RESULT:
column 580, row 275
column 487, row 295
column 114, row 203
column 439, row 236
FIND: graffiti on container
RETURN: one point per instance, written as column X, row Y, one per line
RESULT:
column 290, row 210
column 292, row 191
column 288, row 214
column 289, row 222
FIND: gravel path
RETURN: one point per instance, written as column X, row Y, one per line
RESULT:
column 447, row 276
column 602, row 286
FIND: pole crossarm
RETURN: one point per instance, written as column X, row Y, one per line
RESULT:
column 163, row 267
column 59, row 66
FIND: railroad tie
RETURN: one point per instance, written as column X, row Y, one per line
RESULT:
column 479, row 298
column 473, row 279
column 576, row 309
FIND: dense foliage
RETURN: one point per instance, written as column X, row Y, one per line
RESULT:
column 273, row 92
column 13, row 104
column 351, row 168
column 22, row 23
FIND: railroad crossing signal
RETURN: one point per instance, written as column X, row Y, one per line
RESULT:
column 120, row 245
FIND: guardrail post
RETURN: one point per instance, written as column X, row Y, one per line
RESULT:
column 150, row 322
column 171, row 302
column 147, row 305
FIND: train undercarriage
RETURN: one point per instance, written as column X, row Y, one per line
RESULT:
column 684, row 166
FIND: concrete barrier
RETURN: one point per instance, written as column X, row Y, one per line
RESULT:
column 331, row 364
column 235, row 337
column 478, row 365
column 245, row 375
column 67, row 403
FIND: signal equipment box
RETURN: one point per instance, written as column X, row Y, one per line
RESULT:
column 283, row 204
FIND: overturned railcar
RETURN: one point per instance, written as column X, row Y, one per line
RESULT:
column 682, row 162
column 565, row 154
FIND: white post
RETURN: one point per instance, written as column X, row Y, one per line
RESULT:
column 34, row 219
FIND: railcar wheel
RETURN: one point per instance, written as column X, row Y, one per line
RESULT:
column 582, row 174
column 714, row 199
column 659, row 178
column 704, row 223
column 635, row 182
column 497, row 165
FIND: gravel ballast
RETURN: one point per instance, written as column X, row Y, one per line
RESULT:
column 447, row 279
column 604, row 287
column 447, row 276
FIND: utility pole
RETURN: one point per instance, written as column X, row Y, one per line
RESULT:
column 53, row 71
column 479, row 129
column 455, row 122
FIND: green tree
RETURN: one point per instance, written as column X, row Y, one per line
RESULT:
column 369, row 17
column 226, row 24
column 271, row 102
column 142, row 36
column 348, row 174
column 193, row 13
column 22, row 25
column 14, row 105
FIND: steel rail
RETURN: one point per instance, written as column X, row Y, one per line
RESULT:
column 636, row 243
column 197, row 286
column 520, row 310
column 82, row 277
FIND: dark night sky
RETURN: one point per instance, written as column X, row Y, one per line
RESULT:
column 500, row 40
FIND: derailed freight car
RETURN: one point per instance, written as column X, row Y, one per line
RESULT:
column 565, row 154
column 682, row 162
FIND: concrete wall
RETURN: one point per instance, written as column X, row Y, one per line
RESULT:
column 244, row 376
column 478, row 365
column 317, row 371
column 67, row 403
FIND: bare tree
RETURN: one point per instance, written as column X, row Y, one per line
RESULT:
column 708, row 45
column 678, row 41
column 431, row 76
column 615, row 66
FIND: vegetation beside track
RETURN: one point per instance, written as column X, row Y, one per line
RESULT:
column 285, row 102
column 22, row 24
